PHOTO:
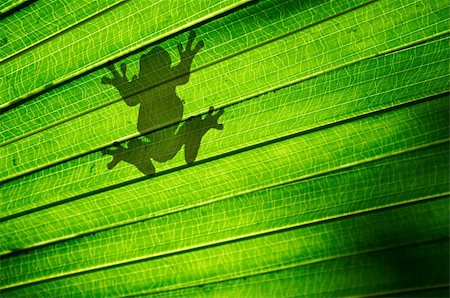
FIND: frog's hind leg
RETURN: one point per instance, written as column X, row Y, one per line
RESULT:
column 195, row 129
column 135, row 154
column 116, row 154
column 145, row 166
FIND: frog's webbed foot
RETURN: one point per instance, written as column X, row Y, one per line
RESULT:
column 196, row 128
column 117, row 79
column 190, row 51
column 210, row 119
column 120, row 82
column 116, row 154
column 135, row 154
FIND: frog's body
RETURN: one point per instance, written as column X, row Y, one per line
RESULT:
column 160, row 109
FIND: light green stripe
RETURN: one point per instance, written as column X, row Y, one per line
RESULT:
column 8, row 5
column 40, row 21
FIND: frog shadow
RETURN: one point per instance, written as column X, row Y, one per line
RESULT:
column 160, row 116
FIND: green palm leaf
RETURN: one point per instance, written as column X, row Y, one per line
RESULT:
column 330, row 176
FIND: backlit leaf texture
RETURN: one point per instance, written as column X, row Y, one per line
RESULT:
column 329, row 177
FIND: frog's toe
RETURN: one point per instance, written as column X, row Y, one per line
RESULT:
column 106, row 81
column 213, row 118
column 219, row 113
column 199, row 46
column 108, row 151
column 113, row 163
column 192, row 35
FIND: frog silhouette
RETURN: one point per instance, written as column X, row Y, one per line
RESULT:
column 154, row 89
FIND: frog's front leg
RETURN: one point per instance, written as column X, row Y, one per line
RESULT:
column 186, row 57
column 195, row 129
column 127, row 89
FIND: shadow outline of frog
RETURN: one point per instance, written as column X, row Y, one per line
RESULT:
column 160, row 109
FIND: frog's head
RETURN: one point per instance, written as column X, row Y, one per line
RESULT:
column 155, row 63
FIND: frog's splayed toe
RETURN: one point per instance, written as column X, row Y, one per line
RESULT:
column 134, row 154
column 196, row 128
